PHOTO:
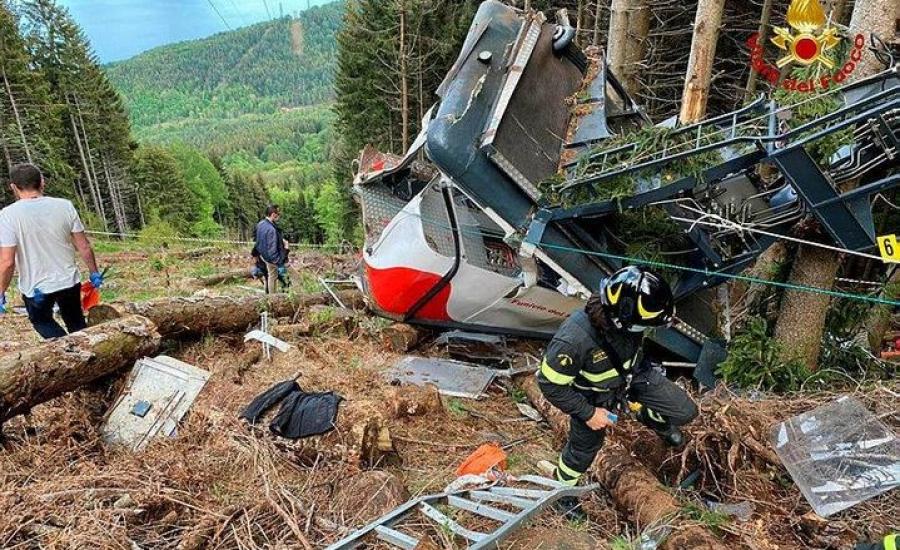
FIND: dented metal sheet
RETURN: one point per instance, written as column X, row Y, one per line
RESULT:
column 839, row 455
column 452, row 378
column 158, row 393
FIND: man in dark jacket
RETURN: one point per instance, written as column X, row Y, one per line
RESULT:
column 596, row 360
column 271, row 247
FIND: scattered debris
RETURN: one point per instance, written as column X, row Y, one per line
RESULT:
column 485, row 458
column 452, row 378
column 267, row 340
column 445, row 510
column 158, row 393
column 529, row 412
column 741, row 511
column 475, row 346
column 838, row 454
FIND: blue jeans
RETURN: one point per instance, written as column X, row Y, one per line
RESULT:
column 40, row 312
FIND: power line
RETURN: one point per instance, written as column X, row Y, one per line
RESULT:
column 215, row 9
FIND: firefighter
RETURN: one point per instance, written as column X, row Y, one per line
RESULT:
column 595, row 362
column 888, row 543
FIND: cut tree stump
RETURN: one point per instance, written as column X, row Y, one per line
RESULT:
column 633, row 487
column 186, row 316
column 407, row 401
column 38, row 374
column 400, row 337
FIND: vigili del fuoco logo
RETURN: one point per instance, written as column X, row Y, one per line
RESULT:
column 807, row 42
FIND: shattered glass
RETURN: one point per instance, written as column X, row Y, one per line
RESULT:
column 839, row 454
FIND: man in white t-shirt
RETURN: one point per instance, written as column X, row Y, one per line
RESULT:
column 41, row 236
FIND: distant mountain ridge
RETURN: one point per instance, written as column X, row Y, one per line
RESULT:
column 260, row 69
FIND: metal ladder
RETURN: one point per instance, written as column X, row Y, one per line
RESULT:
column 527, row 502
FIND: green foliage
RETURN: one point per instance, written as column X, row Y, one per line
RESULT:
column 331, row 213
column 369, row 100
column 159, row 234
column 262, row 69
column 456, row 407
column 163, row 189
column 757, row 360
column 711, row 519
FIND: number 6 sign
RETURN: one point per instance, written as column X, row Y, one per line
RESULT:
column 890, row 249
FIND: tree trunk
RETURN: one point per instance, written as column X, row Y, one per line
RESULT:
column 40, row 373
column 762, row 33
column 176, row 317
column 638, row 29
column 87, row 171
column 617, row 37
column 598, row 10
column 90, row 163
column 802, row 319
column 878, row 322
column 15, row 111
column 876, row 17
column 227, row 277
column 633, row 487
column 700, row 64
column 404, row 78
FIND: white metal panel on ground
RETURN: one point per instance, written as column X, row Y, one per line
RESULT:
column 158, row 393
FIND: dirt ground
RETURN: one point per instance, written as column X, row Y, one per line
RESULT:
column 220, row 483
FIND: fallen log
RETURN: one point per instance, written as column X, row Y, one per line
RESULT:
column 633, row 487
column 32, row 376
column 195, row 253
column 291, row 332
column 185, row 316
column 226, row 277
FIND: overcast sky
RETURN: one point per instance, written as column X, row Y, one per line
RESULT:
column 119, row 29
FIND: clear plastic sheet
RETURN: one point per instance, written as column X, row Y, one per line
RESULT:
column 839, row 455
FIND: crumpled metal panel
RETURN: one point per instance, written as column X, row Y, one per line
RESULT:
column 839, row 455
column 452, row 378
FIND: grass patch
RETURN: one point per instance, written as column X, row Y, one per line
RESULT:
column 712, row 520
column 456, row 407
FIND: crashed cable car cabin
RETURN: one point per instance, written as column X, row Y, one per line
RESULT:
column 475, row 238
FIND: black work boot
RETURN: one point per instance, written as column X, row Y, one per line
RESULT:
column 570, row 508
column 673, row 437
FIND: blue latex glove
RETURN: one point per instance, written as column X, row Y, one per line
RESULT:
column 282, row 270
column 38, row 297
column 2, row 303
column 97, row 279
column 612, row 417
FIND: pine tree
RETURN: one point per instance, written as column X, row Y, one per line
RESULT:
column 29, row 129
column 97, row 127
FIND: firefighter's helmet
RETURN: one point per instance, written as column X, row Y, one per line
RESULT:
column 635, row 299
